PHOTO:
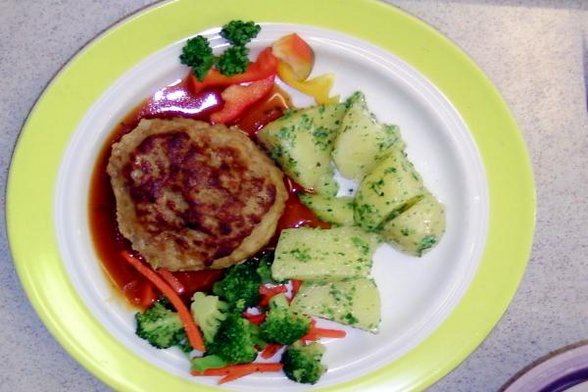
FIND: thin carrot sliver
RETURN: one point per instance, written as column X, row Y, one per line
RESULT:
column 233, row 372
column 270, row 350
column 329, row 333
column 295, row 287
column 192, row 331
column 315, row 333
column 235, row 375
column 171, row 280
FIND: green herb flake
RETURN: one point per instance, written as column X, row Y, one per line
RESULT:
column 363, row 246
column 301, row 254
column 426, row 243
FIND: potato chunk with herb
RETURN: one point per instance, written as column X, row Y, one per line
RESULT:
column 417, row 229
column 354, row 302
column 330, row 209
column 392, row 186
column 301, row 142
column 323, row 254
column 362, row 141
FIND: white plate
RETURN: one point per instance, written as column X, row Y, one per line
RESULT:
column 417, row 294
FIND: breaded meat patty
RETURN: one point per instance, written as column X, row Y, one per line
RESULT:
column 193, row 196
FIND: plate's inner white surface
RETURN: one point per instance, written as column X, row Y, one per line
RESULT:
column 417, row 293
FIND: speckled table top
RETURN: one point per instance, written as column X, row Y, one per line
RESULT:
column 534, row 52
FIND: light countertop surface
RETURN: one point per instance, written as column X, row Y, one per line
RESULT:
column 535, row 52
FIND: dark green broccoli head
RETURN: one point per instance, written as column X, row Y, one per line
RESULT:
column 234, row 341
column 208, row 311
column 197, row 54
column 161, row 327
column 302, row 363
column 239, row 32
column 233, row 61
column 282, row 325
column 240, row 286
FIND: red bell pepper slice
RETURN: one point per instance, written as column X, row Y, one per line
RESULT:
column 255, row 318
column 239, row 97
column 267, row 292
column 265, row 65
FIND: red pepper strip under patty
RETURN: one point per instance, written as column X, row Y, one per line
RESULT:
column 192, row 331
column 265, row 65
column 239, row 97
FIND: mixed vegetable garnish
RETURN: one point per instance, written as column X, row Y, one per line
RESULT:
column 247, row 316
column 197, row 53
column 262, row 315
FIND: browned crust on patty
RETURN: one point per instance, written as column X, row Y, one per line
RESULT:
column 192, row 196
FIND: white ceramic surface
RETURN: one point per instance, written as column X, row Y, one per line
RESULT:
column 417, row 293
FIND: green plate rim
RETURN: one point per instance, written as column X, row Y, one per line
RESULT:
column 55, row 116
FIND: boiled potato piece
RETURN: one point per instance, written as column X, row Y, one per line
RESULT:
column 362, row 141
column 323, row 254
column 417, row 229
column 301, row 142
column 393, row 185
column 330, row 209
column 353, row 302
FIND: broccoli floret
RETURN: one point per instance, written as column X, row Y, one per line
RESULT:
column 161, row 327
column 264, row 268
column 234, row 341
column 197, row 54
column 283, row 325
column 208, row 311
column 239, row 33
column 233, row 61
column 240, row 286
column 302, row 363
column 200, row 364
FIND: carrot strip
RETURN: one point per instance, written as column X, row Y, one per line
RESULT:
column 192, row 331
column 270, row 350
column 315, row 333
column 233, row 372
column 171, row 280
column 236, row 374
column 329, row 333
column 295, row 287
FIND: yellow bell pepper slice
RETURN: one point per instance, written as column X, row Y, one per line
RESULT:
column 318, row 87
